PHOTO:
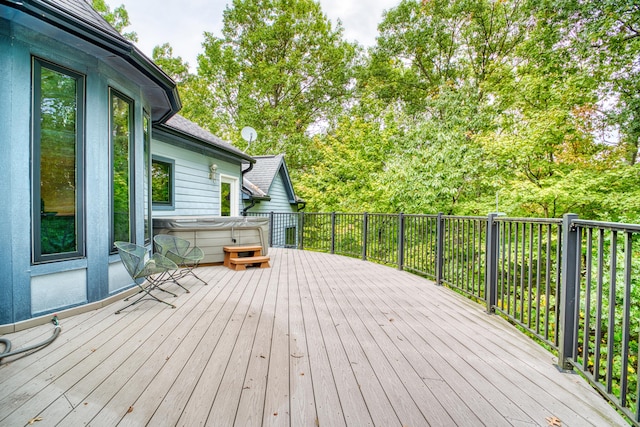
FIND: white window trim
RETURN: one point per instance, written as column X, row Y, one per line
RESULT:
column 234, row 193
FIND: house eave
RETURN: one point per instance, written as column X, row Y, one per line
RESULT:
column 178, row 138
column 119, row 53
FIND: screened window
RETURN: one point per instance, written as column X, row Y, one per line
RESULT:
column 162, row 172
column 57, row 158
column 121, row 167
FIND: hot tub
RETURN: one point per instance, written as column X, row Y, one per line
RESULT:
column 212, row 233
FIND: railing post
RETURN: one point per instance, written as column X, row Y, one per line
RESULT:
column 301, row 231
column 439, row 248
column 568, row 285
column 365, row 233
column 271, row 215
column 400, row 241
column 333, row 232
column 491, row 270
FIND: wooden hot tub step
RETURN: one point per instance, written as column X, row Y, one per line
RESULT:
column 235, row 251
column 241, row 262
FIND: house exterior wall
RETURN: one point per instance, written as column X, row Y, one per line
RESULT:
column 195, row 193
column 279, row 199
column 28, row 289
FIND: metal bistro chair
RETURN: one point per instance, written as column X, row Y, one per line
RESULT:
column 181, row 252
column 140, row 265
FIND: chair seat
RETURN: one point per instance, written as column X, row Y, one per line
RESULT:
column 140, row 265
column 181, row 252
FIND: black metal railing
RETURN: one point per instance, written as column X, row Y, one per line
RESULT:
column 570, row 283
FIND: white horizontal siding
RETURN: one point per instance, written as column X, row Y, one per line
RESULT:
column 279, row 199
column 194, row 192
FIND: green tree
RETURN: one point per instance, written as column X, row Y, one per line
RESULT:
column 175, row 67
column 279, row 67
column 352, row 158
column 443, row 62
column 118, row 18
column 605, row 35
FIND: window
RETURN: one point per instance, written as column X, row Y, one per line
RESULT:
column 122, row 220
column 146, row 129
column 225, row 199
column 228, row 196
column 57, row 158
column 162, row 172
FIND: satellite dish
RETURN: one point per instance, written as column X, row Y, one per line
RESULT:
column 249, row 134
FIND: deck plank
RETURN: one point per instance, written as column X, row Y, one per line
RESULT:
column 251, row 405
column 172, row 406
column 352, row 403
column 198, row 408
column 387, row 336
column 377, row 346
column 303, row 408
column 225, row 405
column 183, row 363
column 139, row 373
column 328, row 405
column 276, row 404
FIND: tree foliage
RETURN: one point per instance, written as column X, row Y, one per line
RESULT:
column 279, row 67
column 462, row 106
column 118, row 18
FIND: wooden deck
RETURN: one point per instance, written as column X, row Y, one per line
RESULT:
column 316, row 339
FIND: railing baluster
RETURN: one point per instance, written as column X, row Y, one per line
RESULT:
column 530, row 276
column 599, row 293
column 439, row 248
column 400, row 241
column 612, row 310
column 626, row 309
column 538, row 278
column 587, row 301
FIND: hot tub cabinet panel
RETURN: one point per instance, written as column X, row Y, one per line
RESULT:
column 211, row 234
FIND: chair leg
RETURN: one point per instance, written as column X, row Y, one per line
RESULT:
column 190, row 271
column 172, row 278
column 147, row 295
column 184, row 271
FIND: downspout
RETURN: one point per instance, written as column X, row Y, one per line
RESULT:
column 246, row 190
column 253, row 201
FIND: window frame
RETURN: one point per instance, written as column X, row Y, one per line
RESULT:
column 131, row 168
column 147, row 183
column 37, row 257
column 170, row 205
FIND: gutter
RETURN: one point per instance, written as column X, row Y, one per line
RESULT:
column 165, row 132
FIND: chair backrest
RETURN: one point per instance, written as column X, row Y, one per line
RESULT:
column 133, row 257
column 169, row 243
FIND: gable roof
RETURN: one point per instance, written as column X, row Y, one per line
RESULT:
column 265, row 170
column 76, row 23
column 187, row 131
column 263, row 174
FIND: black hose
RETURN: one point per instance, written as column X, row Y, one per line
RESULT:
column 7, row 351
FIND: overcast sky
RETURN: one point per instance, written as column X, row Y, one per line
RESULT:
column 181, row 23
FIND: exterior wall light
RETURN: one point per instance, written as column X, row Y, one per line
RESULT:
column 212, row 172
